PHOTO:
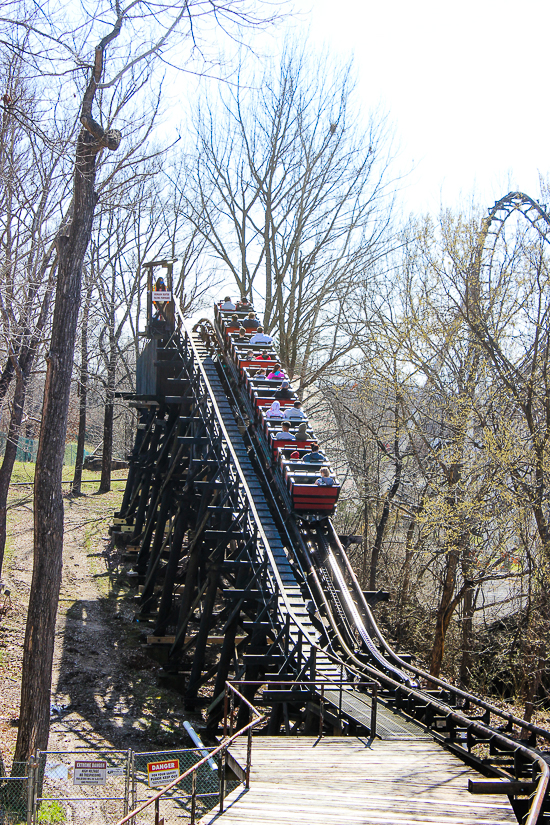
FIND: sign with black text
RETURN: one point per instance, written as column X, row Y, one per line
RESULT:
column 90, row 772
column 161, row 773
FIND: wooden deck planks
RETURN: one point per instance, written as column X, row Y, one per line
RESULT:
column 349, row 781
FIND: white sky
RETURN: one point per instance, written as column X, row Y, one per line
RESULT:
column 464, row 83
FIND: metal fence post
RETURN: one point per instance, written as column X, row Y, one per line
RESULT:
column 373, row 709
column 248, row 755
column 127, row 782
column 134, row 784
column 30, row 789
column 36, row 787
column 321, row 709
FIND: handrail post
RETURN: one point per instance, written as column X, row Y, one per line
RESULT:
column 193, row 797
column 373, row 710
column 231, row 713
column 341, row 689
column 222, row 778
column 225, row 704
column 321, row 709
column 248, row 754
column 157, row 811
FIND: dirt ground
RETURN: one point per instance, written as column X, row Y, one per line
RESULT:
column 105, row 691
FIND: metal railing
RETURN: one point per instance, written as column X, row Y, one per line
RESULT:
column 220, row 751
column 274, row 685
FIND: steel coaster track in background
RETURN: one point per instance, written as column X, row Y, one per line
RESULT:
column 390, row 669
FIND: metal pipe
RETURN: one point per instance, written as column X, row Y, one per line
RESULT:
column 199, row 743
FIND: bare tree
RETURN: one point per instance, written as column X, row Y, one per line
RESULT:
column 134, row 37
column 294, row 197
column 33, row 194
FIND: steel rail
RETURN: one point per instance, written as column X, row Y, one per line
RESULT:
column 509, row 718
column 329, row 611
column 485, row 731
column 257, row 519
column 469, row 697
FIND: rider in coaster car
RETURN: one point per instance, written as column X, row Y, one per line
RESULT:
column 228, row 304
column 315, row 455
column 284, row 392
column 260, row 337
column 302, row 433
column 274, row 411
column 296, row 411
column 325, row 480
column 244, row 305
column 276, row 373
column 251, row 322
column 285, row 434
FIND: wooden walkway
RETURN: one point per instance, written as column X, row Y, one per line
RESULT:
column 350, row 781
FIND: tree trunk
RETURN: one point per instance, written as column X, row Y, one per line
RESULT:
column 5, row 378
column 9, row 457
column 468, row 606
column 107, row 458
column 444, row 612
column 34, row 715
column 381, row 526
column 403, row 597
column 365, row 538
column 465, row 671
column 48, row 504
column 76, row 487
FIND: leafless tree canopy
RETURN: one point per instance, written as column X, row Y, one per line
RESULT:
column 294, row 196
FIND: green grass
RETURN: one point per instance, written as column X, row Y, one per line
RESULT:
column 51, row 813
column 23, row 471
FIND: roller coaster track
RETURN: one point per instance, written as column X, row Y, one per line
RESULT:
column 221, row 562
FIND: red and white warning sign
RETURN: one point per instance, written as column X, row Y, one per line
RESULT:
column 162, row 295
column 90, row 772
column 161, row 773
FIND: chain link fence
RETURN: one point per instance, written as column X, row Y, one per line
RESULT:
column 15, row 801
column 80, row 787
column 175, row 806
column 100, row 787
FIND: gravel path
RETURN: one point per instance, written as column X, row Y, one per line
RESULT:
column 105, row 689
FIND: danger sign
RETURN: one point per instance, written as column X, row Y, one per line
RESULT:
column 161, row 773
column 162, row 295
column 90, row 773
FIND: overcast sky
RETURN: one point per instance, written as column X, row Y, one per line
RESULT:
column 465, row 84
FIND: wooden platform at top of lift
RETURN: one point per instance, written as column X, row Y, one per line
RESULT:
column 349, row 781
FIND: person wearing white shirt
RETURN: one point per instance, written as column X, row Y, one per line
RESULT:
column 285, row 434
column 295, row 411
column 228, row 304
column 260, row 337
